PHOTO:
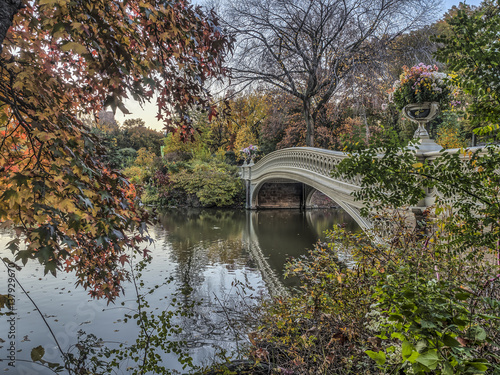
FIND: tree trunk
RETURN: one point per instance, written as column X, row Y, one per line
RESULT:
column 306, row 111
column 367, row 127
column 8, row 8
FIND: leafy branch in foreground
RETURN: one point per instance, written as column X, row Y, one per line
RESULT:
column 157, row 335
column 64, row 59
column 466, row 183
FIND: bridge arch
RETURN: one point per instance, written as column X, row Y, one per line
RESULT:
column 312, row 167
column 306, row 165
column 342, row 198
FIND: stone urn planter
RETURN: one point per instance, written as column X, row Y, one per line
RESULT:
column 248, row 162
column 422, row 113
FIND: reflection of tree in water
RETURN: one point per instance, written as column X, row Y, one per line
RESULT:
column 205, row 245
column 189, row 229
column 208, row 250
column 321, row 220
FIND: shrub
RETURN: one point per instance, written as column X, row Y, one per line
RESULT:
column 321, row 328
column 214, row 184
column 401, row 305
column 136, row 174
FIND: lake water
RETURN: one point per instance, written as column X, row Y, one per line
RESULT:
column 224, row 260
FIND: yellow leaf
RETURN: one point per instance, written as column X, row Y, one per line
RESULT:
column 48, row 2
column 417, row 165
column 75, row 47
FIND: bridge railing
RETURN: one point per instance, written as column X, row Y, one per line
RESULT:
column 312, row 159
column 321, row 162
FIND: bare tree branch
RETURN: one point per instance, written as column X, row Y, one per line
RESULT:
column 307, row 48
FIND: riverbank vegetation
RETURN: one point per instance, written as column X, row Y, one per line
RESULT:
column 415, row 299
column 273, row 119
column 409, row 299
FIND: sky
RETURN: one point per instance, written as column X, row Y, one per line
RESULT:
column 447, row 4
column 148, row 113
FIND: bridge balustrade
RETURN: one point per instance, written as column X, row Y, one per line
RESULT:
column 312, row 167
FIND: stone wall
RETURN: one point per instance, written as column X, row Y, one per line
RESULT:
column 320, row 200
column 280, row 195
column 290, row 195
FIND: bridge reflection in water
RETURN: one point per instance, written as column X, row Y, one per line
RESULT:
column 264, row 239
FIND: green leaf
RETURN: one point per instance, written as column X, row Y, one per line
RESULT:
column 378, row 357
column 413, row 357
column 448, row 370
column 427, row 324
column 37, row 353
column 429, row 359
column 479, row 364
column 396, row 317
column 462, row 296
column 397, row 335
column 421, row 345
column 407, row 349
column 450, row 341
column 50, row 267
column 479, row 333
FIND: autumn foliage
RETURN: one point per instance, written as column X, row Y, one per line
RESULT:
column 62, row 59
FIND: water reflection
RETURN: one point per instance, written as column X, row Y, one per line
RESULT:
column 283, row 234
column 214, row 231
column 218, row 234
column 210, row 254
column 256, row 240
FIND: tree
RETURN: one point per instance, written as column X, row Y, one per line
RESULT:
column 61, row 59
column 308, row 48
column 248, row 112
column 134, row 123
column 472, row 51
column 138, row 137
column 7, row 11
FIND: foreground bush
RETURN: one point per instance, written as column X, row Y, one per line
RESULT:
column 321, row 328
column 416, row 299
column 400, row 307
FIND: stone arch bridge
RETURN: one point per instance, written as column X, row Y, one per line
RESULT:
column 306, row 170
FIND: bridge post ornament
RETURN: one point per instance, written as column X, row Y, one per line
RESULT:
column 422, row 113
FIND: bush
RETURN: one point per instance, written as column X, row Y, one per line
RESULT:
column 136, row 174
column 321, row 328
column 400, row 306
column 213, row 183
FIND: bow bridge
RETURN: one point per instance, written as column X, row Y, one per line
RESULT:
column 305, row 165
column 306, row 170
